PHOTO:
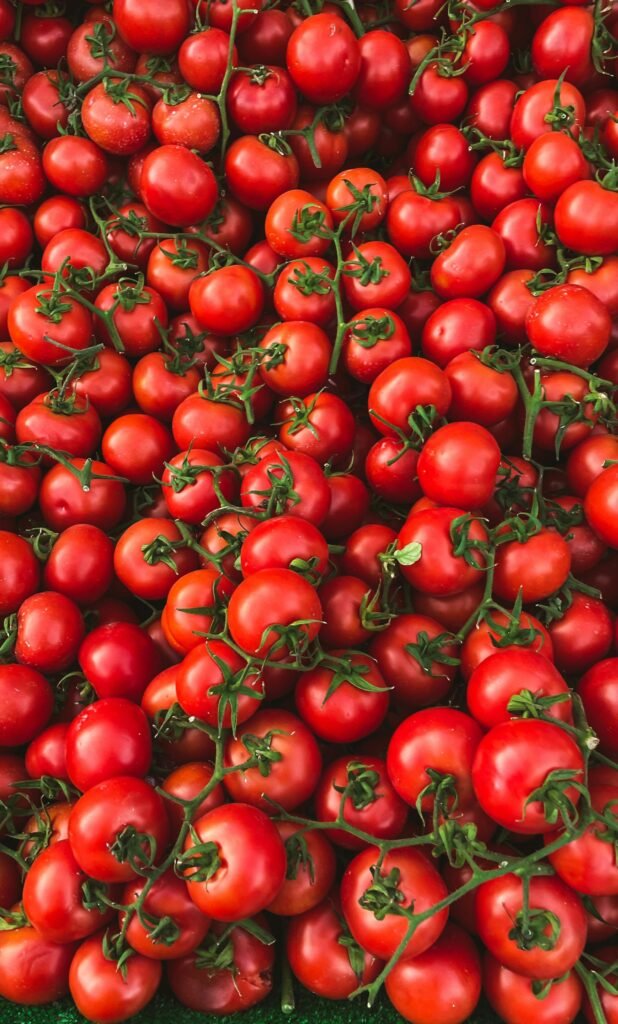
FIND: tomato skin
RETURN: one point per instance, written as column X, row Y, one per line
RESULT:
column 414, row 220
column 323, row 57
column 441, row 738
column 292, row 779
column 29, row 330
column 397, row 390
column 384, row 817
column 512, row 997
column 188, row 781
column 441, row 459
column 102, row 813
column 470, row 265
column 108, row 738
column 528, row 118
column 413, row 687
column 212, row 990
column 583, row 635
column 64, row 502
column 349, row 713
column 512, row 761
column 304, row 889
column 439, row 571
column 278, row 543
column 586, row 863
column 200, row 673
column 108, row 385
column 53, row 897
column 552, row 163
column 119, row 660
column 279, row 172
column 41, row 422
column 33, row 970
column 503, row 675
column 597, row 689
column 455, row 960
column 306, row 356
column 390, row 291
column 50, row 629
column 27, row 702
column 535, row 568
column 569, row 323
column 151, row 581
column 419, row 882
column 562, row 41
column 101, row 992
column 479, row 644
column 309, row 483
column 147, row 29
column 209, row 300
column 280, row 218
column 168, row 897
column 445, row 149
column 498, row 903
column 601, row 504
column 202, row 59
column 162, row 169
column 245, row 837
column 19, row 572
column 46, row 754
column 319, row 960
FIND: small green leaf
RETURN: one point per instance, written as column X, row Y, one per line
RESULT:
column 409, row 555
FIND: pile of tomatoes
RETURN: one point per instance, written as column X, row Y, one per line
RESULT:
column 309, row 505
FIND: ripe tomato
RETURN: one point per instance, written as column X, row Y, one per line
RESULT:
column 504, row 675
column 344, row 703
column 470, row 265
column 370, row 805
column 102, row 992
column 513, row 997
column 33, row 970
column 323, row 58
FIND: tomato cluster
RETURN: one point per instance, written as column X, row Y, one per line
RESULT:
column 309, row 504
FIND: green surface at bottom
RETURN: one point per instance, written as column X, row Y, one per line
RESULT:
column 165, row 1010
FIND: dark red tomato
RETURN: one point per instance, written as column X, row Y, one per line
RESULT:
column 470, row 265
column 199, row 981
column 437, row 569
column 66, row 154
column 266, row 484
column 438, row 98
column 371, row 805
column 480, row 393
column 384, row 70
column 20, row 381
column 119, row 660
column 491, row 106
column 343, row 600
column 16, row 239
column 319, row 958
column 50, row 629
column 494, row 185
column 48, row 328
column 107, row 385
column 363, row 548
column 376, row 275
column 510, row 634
column 582, row 635
column 606, row 998
column 53, row 897
column 506, row 674
column 188, row 782
column 416, row 659
column 344, row 703
column 33, row 970
column 203, row 58
column 10, row 881
column 514, row 999
column 586, row 548
column 349, row 505
column 303, row 351
column 310, row 873
column 549, row 430
column 287, row 762
column 167, row 899
column 569, row 323
column 162, row 169
column 108, row 738
column 597, row 689
column 600, row 505
column 330, row 145
column 443, row 149
column 262, row 99
column 513, row 760
column 19, row 572
column 65, row 501
column 213, row 684
column 148, row 30
column 26, row 701
column 442, row 739
column 192, row 483
column 501, row 925
column 46, row 754
column 458, row 464
column 419, row 884
column 535, row 112
column 95, row 45
column 324, row 58
column 104, row 814
column 212, row 423
column 454, row 960
column 250, row 862
column 102, row 992
column 285, row 542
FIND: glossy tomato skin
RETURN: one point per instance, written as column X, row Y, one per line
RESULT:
column 210, row 989
column 470, row 265
column 168, row 897
column 439, row 571
column 50, row 629
column 381, row 815
column 399, row 650
column 64, row 502
column 33, row 970
column 27, row 702
column 349, row 713
column 597, row 689
column 52, row 897
column 323, row 58
column 512, row 761
column 583, row 863
column 512, row 997
column 505, row 674
column 181, row 207
column 454, row 959
column 569, row 323
column 419, row 882
column 498, row 905
column 451, row 449
column 80, row 565
column 108, row 738
column 119, row 660
column 46, row 754
column 147, row 29
column 305, row 885
column 253, row 862
column 101, row 992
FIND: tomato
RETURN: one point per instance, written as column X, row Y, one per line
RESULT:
column 166, row 165
column 513, row 760
column 310, row 872
column 203, row 58
column 74, row 428
column 344, row 703
column 375, row 275
column 116, row 812
column 65, row 501
column 596, row 689
column 569, row 323
column 534, row 568
column 301, row 352
column 22, row 180
column 563, row 41
column 146, row 29
column 455, row 961
column 513, row 997
column 94, row 46
column 167, row 899
column 501, row 925
column 48, row 327
column 19, row 572
column 552, row 163
column 504, row 675
column 208, row 298
column 58, row 213
column 418, row 883
column 470, row 265
column 119, row 660
column 33, row 970
column 405, row 384
column 214, row 685
column 108, row 738
column 535, row 111
column 582, row 635
column 46, row 753
column 299, row 211
column 443, row 149
column 27, row 703
column 441, row 460
column 416, row 659
column 285, row 542
column 586, row 863
column 324, row 58
column 146, row 573
column 187, row 782
column 232, row 971
column 53, row 897
column 321, row 962
column 286, row 762
column 273, row 479
column 370, row 805
column 504, row 633
column 50, row 629
column 438, row 569
column 104, row 993
column 247, row 866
